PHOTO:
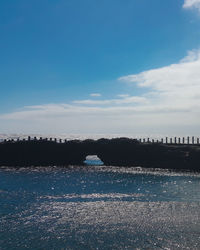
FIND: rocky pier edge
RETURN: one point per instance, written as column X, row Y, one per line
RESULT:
column 112, row 152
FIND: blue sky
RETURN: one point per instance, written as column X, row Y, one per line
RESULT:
column 78, row 66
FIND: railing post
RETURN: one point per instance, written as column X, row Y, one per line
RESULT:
column 175, row 140
column 162, row 140
column 197, row 140
column 179, row 140
column 183, row 140
column 188, row 140
column 170, row 140
column 166, row 140
column 144, row 140
column 192, row 139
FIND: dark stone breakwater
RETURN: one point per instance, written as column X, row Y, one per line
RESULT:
column 115, row 152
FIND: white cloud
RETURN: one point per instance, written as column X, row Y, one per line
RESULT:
column 123, row 95
column 119, row 101
column 63, row 118
column 95, row 94
column 170, row 103
column 176, row 86
column 192, row 4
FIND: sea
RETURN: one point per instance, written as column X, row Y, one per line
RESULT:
column 98, row 207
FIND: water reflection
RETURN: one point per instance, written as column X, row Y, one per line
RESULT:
column 98, row 208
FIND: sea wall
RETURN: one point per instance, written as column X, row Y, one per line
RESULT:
column 115, row 152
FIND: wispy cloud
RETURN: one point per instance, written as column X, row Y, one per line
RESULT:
column 123, row 100
column 192, row 4
column 176, row 85
column 123, row 95
column 95, row 94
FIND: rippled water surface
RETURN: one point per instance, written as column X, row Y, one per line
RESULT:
column 97, row 207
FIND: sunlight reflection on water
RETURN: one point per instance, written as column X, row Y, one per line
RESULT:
column 98, row 208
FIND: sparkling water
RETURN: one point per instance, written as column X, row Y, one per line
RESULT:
column 98, row 207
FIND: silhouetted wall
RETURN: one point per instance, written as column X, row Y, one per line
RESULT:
column 116, row 152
